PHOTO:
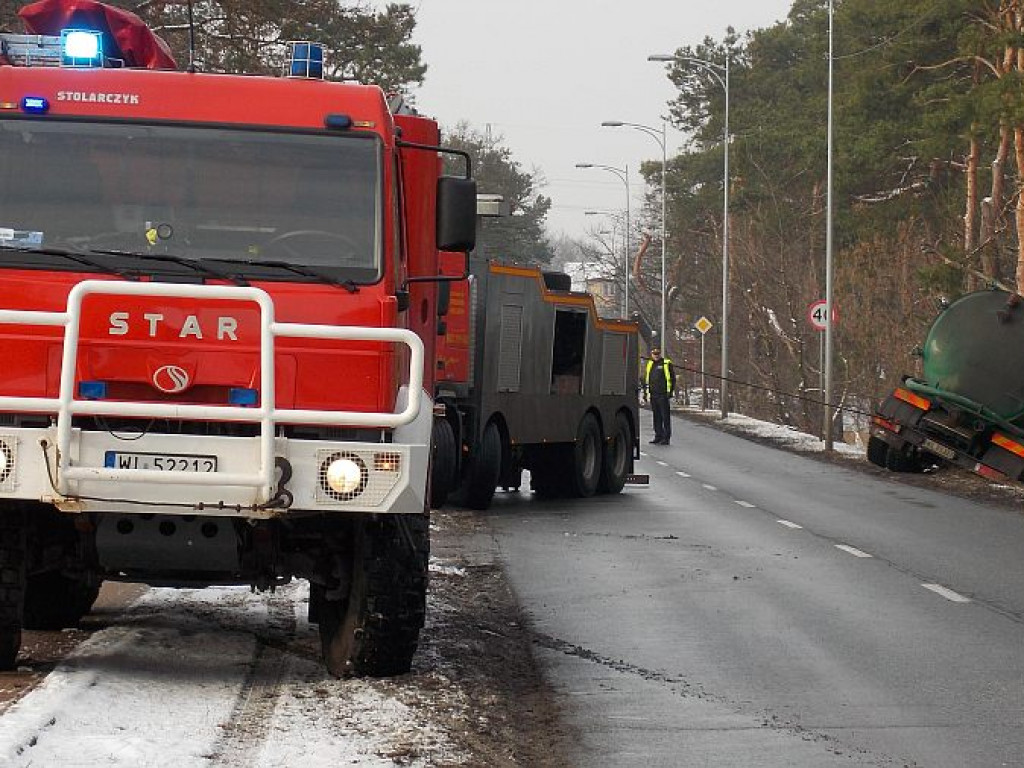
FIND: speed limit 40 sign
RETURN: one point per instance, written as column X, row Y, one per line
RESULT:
column 817, row 314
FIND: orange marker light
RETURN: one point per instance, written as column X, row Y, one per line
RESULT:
column 1007, row 444
column 910, row 398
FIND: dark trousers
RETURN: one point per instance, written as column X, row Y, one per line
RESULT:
column 662, row 416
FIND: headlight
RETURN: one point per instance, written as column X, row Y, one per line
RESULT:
column 343, row 476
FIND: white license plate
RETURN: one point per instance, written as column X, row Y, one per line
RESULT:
column 166, row 462
column 939, row 450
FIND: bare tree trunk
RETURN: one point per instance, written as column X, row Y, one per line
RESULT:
column 989, row 248
column 1018, row 140
column 1018, row 137
column 971, row 203
column 991, row 218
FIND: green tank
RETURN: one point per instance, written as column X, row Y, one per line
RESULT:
column 975, row 350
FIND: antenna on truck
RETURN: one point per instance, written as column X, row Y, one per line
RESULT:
column 191, row 38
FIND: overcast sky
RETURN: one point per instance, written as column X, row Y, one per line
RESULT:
column 544, row 74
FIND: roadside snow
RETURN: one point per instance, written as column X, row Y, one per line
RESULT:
column 799, row 441
column 217, row 677
column 131, row 695
column 436, row 566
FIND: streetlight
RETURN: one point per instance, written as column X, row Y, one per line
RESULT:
column 623, row 176
column 663, row 143
column 721, row 74
column 828, row 243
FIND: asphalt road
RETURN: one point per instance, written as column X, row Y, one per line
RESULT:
column 753, row 607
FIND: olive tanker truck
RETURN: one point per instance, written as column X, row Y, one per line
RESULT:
column 968, row 407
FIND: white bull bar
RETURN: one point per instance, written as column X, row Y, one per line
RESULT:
column 66, row 406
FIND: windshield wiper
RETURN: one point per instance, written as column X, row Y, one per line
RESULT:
column 349, row 285
column 71, row 255
column 194, row 264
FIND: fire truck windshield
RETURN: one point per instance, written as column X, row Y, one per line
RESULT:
column 225, row 194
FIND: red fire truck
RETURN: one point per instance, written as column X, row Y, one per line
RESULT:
column 217, row 332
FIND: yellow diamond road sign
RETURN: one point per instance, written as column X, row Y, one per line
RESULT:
column 703, row 325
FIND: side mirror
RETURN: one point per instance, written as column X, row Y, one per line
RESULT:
column 456, row 214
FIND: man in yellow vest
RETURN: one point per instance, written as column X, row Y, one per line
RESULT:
column 660, row 381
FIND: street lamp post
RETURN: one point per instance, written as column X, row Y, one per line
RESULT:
column 721, row 75
column 662, row 142
column 828, row 243
column 623, row 176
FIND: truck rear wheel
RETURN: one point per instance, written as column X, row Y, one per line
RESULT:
column 484, row 468
column 878, row 451
column 586, row 457
column 618, row 456
column 374, row 629
column 55, row 601
column 907, row 460
column 444, row 463
column 13, row 547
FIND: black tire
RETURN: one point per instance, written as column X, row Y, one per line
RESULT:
column 55, row 601
column 898, row 461
column 878, row 452
column 484, row 469
column 617, row 461
column 374, row 629
column 444, row 463
column 585, row 470
column 13, row 548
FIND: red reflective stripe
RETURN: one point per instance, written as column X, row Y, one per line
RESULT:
column 891, row 426
column 991, row 474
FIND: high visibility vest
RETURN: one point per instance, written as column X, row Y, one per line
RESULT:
column 668, row 378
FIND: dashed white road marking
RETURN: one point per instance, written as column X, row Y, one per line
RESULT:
column 662, row 464
column 790, row 524
column 852, row 550
column 949, row 594
column 682, row 474
column 709, row 487
column 746, row 504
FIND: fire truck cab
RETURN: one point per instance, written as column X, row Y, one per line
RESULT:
column 217, row 327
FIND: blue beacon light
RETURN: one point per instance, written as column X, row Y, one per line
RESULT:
column 243, row 396
column 35, row 105
column 306, row 60
column 92, row 390
column 81, row 48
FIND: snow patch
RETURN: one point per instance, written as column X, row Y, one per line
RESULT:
column 437, row 566
column 787, row 436
column 178, row 683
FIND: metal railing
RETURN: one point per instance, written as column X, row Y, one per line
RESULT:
column 66, row 405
